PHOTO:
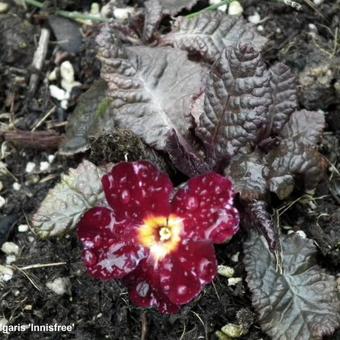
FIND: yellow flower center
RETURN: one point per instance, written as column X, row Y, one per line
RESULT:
column 160, row 234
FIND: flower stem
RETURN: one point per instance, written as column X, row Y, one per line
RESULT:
column 74, row 15
column 209, row 8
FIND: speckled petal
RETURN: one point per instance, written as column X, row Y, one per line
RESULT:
column 205, row 204
column 137, row 189
column 145, row 291
column 184, row 273
column 107, row 255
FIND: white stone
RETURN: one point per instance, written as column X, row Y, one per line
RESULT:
column 255, row 18
column 233, row 281
column 4, row 7
column 225, row 271
column 235, row 8
column 16, row 186
column 10, row 259
column 301, row 233
column 6, row 273
column 10, row 248
column 51, row 158
column 44, row 166
column 123, row 13
column 235, row 257
column 59, row 286
column 67, row 71
column 222, row 8
column 2, row 201
column 53, row 75
column 58, row 93
column 23, row 228
column 30, row 167
column 31, row 239
column 318, row 2
column 260, row 28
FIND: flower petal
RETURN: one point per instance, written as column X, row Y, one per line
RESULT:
column 205, row 204
column 106, row 253
column 184, row 273
column 145, row 291
column 137, row 189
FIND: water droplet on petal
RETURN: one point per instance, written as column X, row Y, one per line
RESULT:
column 90, row 259
column 181, row 290
column 142, row 289
column 192, row 203
column 125, row 196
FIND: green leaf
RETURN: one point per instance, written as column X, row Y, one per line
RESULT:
column 301, row 303
column 65, row 204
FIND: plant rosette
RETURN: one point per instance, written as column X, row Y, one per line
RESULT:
column 158, row 241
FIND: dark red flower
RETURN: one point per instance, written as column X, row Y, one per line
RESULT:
column 158, row 241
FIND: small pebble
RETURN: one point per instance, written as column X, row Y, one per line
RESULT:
column 53, row 75
column 255, row 18
column 233, row 281
column 16, row 186
column 301, row 233
column 10, row 248
column 2, row 201
column 31, row 239
column 4, row 7
column 318, row 2
column 60, row 286
column 44, row 166
column 16, row 292
column 58, row 93
column 260, row 28
column 67, row 71
column 6, row 273
column 235, row 8
column 30, row 167
column 23, row 228
column 222, row 8
column 235, row 257
column 10, row 259
column 123, row 13
column 28, row 307
column 51, row 158
column 226, row 271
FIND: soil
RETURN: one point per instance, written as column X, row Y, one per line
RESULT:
column 307, row 40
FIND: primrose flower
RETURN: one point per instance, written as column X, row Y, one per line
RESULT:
column 158, row 241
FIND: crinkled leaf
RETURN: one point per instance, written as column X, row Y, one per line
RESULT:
column 91, row 107
column 297, row 154
column 236, row 106
column 283, row 84
column 210, row 33
column 301, row 303
column 304, row 127
column 151, row 89
column 65, row 204
column 155, row 10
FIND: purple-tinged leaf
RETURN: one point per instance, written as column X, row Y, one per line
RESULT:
column 65, row 204
column 236, row 106
column 304, row 127
column 155, row 10
column 283, row 84
column 151, row 89
column 209, row 34
column 300, row 302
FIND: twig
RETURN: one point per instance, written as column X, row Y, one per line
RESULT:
column 40, row 140
column 209, row 8
column 38, row 59
column 43, row 118
column 144, row 321
column 41, row 265
column 74, row 15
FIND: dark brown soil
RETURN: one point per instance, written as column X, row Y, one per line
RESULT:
column 101, row 310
